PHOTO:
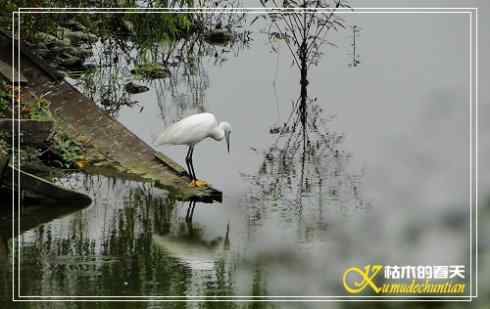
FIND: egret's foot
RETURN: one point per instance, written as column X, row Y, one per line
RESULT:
column 199, row 183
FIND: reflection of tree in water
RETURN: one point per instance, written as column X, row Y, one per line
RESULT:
column 104, row 81
column 303, row 173
column 179, row 58
column 306, row 168
column 184, row 92
column 304, row 33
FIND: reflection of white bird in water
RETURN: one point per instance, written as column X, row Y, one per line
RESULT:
column 190, row 131
column 192, row 249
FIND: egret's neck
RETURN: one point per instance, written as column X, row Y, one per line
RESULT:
column 218, row 132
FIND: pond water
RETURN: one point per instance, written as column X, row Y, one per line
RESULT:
column 384, row 177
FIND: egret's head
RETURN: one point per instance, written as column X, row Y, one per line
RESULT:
column 227, row 129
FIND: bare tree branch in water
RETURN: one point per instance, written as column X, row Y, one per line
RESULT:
column 306, row 162
column 305, row 33
column 300, row 167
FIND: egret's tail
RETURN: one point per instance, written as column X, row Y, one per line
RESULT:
column 158, row 140
column 163, row 139
column 153, row 137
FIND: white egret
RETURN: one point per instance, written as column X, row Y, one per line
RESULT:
column 190, row 131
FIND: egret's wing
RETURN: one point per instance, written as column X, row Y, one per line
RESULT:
column 189, row 130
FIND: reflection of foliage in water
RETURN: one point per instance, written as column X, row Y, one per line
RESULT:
column 304, row 33
column 111, row 249
column 125, row 251
column 306, row 161
column 179, row 56
column 301, row 170
column 184, row 92
column 104, row 83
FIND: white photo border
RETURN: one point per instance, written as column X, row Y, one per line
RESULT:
column 473, row 153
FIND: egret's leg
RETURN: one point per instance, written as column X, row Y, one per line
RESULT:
column 187, row 162
column 195, row 182
column 192, row 164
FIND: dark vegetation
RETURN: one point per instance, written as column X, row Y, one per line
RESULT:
column 58, row 152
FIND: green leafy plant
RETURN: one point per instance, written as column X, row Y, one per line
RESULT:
column 68, row 149
column 40, row 110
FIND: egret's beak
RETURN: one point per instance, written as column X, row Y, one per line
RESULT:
column 227, row 137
